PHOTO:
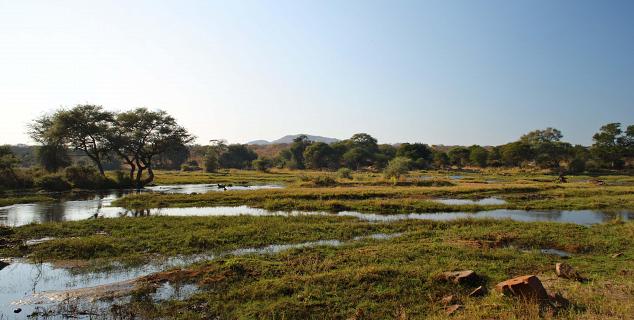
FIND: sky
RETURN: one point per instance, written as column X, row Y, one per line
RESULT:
column 439, row 72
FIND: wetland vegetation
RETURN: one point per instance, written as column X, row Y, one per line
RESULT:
column 347, row 230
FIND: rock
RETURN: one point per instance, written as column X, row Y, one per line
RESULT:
column 452, row 309
column 450, row 299
column 18, row 310
column 461, row 277
column 528, row 287
column 478, row 292
column 617, row 255
column 566, row 271
column 3, row 264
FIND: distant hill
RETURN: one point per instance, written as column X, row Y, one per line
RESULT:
column 289, row 139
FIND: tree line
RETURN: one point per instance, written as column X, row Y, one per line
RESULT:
column 141, row 140
column 613, row 148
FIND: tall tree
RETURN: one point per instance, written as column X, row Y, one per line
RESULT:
column 318, row 155
column 419, row 153
column 459, row 156
column 237, row 156
column 608, row 145
column 84, row 128
column 478, row 156
column 297, row 149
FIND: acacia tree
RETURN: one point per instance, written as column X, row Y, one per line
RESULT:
column 140, row 135
column 84, row 128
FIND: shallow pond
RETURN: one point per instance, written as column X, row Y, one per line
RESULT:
column 582, row 217
column 42, row 286
column 482, row 202
column 85, row 205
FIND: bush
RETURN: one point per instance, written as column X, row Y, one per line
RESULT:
column 324, row 181
column 318, row 181
column 397, row 167
column 577, row 166
column 189, row 167
column 122, row 179
column 262, row 164
column 53, row 182
column 344, row 173
column 211, row 162
column 85, row 177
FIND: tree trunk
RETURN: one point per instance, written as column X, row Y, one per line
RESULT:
column 139, row 173
column 150, row 177
column 132, row 169
column 100, row 167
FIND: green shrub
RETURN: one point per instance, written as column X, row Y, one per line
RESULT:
column 122, row 179
column 262, row 164
column 211, row 162
column 189, row 168
column 52, row 182
column 85, row 177
column 577, row 166
column 344, row 173
column 397, row 167
column 323, row 181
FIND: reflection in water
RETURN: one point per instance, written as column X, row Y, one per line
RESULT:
column 482, row 202
column 32, row 286
column 87, row 205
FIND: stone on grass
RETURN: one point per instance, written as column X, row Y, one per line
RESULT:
column 461, row 277
column 450, row 299
column 527, row 287
column 566, row 271
column 452, row 309
column 617, row 255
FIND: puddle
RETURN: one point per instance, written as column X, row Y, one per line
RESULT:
column 456, row 177
column 38, row 287
column 482, row 202
column 555, row 252
column 38, row 241
column 86, row 205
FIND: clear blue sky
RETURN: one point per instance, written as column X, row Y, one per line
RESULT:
column 439, row 72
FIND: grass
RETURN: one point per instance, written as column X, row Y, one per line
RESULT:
column 368, row 279
column 11, row 200
column 365, row 279
column 519, row 194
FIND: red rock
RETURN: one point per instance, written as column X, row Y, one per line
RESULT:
column 452, row 309
column 450, row 299
column 527, row 287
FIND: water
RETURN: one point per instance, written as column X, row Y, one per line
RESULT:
column 555, row 252
column 204, row 188
column 80, row 206
column 24, row 214
column 582, row 217
column 42, row 286
column 482, row 202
